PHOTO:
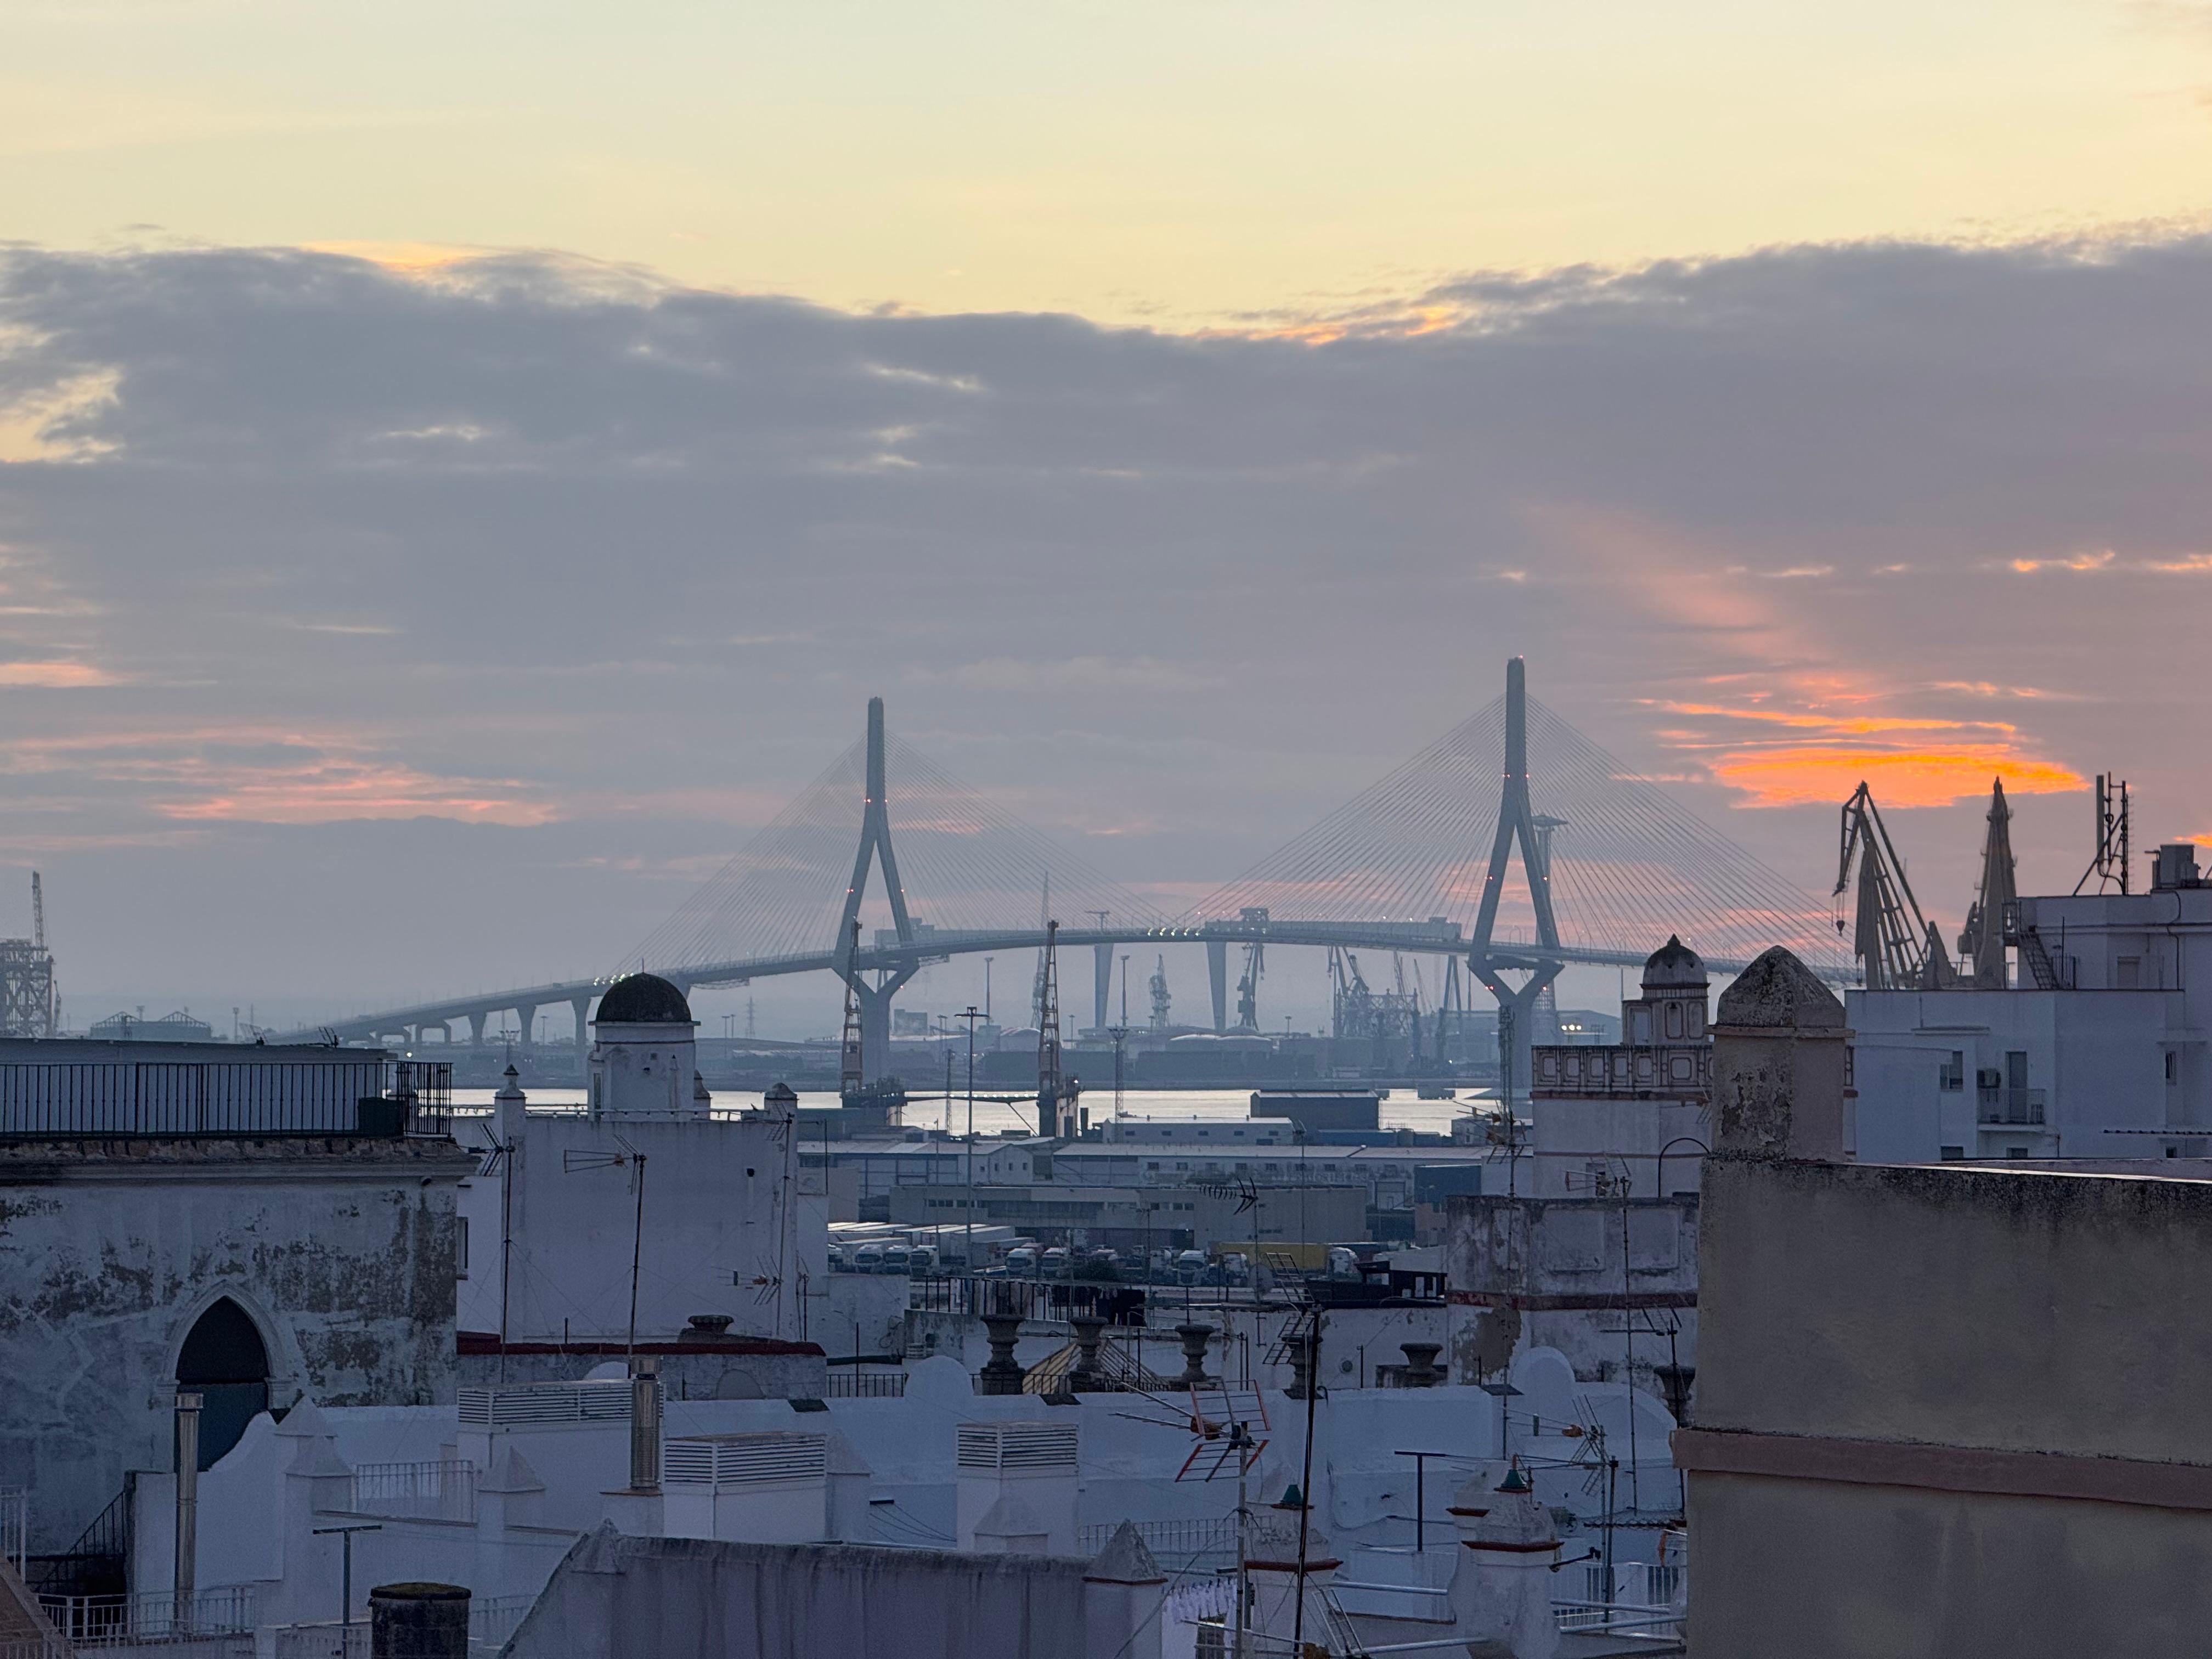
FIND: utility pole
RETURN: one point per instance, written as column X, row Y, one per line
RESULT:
column 1120, row 1033
column 1242, row 1438
column 1305, row 1478
column 968, row 1207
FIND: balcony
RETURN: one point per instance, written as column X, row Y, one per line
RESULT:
column 2011, row 1105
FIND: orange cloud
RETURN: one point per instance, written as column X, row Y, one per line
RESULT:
column 326, row 792
column 62, row 676
column 2100, row 560
column 1923, row 777
column 1771, row 669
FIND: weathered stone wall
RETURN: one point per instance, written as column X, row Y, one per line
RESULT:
column 1553, row 1272
column 1944, row 1409
column 618, row 1597
column 341, row 1251
column 732, row 1370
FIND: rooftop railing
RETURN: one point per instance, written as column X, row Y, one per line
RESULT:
column 437, row 1490
column 113, row 1621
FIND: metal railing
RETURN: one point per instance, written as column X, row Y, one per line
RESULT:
column 2012, row 1105
column 1177, row 1545
column 344, row 1095
column 1645, row 1599
column 867, row 1385
column 1027, row 1298
column 492, row 1619
column 151, row 1615
column 96, row 1559
column 432, row 1490
column 1641, row 1584
column 327, row 1641
column 15, row 1524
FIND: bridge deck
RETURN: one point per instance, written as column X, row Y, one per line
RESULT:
column 1431, row 939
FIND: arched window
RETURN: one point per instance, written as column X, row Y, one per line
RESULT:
column 224, row 1361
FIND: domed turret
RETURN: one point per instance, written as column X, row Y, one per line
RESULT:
column 644, row 1060
column 1673, row 967
column 642, row 1000
column 1673, row 1007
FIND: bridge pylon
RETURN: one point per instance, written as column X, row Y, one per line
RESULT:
column 1517, row 821
column 875, row 998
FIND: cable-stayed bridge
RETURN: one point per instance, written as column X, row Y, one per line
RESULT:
column 1513, row 845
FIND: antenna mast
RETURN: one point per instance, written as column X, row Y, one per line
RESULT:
column 2110, row 862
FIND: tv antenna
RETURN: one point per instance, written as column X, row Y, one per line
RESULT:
column 629, row 1158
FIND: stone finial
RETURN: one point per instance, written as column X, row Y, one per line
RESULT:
column 1782, row 1064
column 1002, row 1373
column 1125, row 1560
column 1194, row 1335
column 1088, row 1374
column 1421, row 1370
column 1779, row 990
column 510, row 1472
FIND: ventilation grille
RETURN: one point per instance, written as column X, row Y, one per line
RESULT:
column 558, row 1402
column 744, row 1460
column 1017, row 1446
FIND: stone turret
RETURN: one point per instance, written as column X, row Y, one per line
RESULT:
column 1272, row 1559
column 1501, row 1589
column 1782, row 1064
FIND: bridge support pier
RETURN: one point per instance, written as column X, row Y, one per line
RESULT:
column 1217, row 973
column 1517, row 1024
column 875, row 1002
column 525, row 1017
column 1102, row 983
column 582, row 1005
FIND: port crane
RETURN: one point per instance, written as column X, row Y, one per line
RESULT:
column 1897, row 947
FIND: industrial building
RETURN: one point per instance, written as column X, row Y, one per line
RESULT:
column 179, row 1025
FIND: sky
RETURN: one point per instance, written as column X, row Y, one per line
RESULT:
column 461, row 473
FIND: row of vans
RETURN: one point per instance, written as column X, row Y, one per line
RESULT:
column 883, row 1256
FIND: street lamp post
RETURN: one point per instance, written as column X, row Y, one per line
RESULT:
column 968, row 1202
column 345, row 1587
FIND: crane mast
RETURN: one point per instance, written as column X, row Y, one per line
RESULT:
column 1897, row 946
